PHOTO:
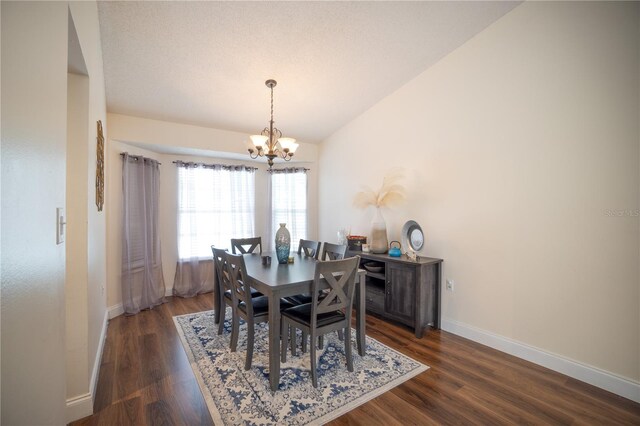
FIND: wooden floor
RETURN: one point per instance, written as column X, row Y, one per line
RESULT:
column 145, row 378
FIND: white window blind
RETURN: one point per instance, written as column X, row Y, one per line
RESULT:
column 215, row 203
column 289, row 203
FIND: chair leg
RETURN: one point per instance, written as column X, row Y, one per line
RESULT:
column 284, row 338
column 235, row 330
column 250, row 337
column 219, row 310
column 312, row 350
column 294, row 340
column 340, row 335
column 347, row 348
column 305, row 336
column 321, row 342
column 221, row 323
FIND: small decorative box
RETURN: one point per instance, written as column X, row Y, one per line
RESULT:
column 355, row 242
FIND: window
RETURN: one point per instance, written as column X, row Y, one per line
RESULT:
column 215, row 203
column 289, row 203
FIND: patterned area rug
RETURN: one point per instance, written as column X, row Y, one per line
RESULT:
column 235, row 396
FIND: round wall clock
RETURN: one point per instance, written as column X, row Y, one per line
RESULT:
column 412, row 236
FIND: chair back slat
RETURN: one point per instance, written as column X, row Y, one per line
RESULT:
column 246, row 245
column 341, row 277
column 240, row 286
column 215, row 263
column 219, row 265
column 309, row 248
column 333, row 251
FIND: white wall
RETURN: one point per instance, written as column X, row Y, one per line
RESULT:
column 519, row 145
column 34, row 143
column 86, row 299
column 140, row 136
column 34, row 108
column 86, row 256
column 85, row 16
column 77, row 324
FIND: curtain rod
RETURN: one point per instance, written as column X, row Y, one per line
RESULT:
column 289, row 169
column 179, row 162
column 137, row 157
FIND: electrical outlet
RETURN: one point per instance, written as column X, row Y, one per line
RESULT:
column 450, row 284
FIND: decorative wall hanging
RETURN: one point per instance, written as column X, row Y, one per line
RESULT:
column 100, row 168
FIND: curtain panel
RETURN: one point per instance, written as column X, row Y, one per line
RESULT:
column 215, row 203
column 287, row 203
column 142, row 281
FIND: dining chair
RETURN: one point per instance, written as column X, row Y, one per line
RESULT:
column 329, row 252
column 324, row 315
column 333, row 251
column 253, row 310
column 218, row 302
column 224, row 286
column 227, row 297
column 309, row 248
column 246, row 245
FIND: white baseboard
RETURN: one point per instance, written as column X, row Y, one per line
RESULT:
column 82, row 405
column 79, row 406
column 115, row 310
column 98, row 360
column 586, row 373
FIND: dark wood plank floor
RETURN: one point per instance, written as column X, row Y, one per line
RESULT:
column 145, row 378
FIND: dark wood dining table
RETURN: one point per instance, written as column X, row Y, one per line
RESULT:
column 280, row 280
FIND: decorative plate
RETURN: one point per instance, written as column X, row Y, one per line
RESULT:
column 412, row 236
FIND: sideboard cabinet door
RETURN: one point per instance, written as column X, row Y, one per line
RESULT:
column 400, row 299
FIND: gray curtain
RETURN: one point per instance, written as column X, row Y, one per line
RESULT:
column 194, row 276
column 142, row 281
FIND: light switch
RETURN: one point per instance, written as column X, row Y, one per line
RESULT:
column 61, row 224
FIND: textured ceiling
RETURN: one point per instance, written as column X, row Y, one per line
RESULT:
column 205, row 63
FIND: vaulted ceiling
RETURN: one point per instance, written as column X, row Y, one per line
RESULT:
column 205, row 63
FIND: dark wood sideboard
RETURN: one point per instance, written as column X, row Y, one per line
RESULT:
column 405, row 290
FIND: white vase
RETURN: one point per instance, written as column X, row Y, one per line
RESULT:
column 379, row 243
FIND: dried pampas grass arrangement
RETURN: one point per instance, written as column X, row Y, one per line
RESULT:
column 390, row 194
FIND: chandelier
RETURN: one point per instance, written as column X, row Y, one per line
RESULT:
column 270, row 143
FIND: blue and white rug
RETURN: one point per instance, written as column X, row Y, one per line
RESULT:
column 235, row 396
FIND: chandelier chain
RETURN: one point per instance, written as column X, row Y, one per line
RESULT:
column 272, row 104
